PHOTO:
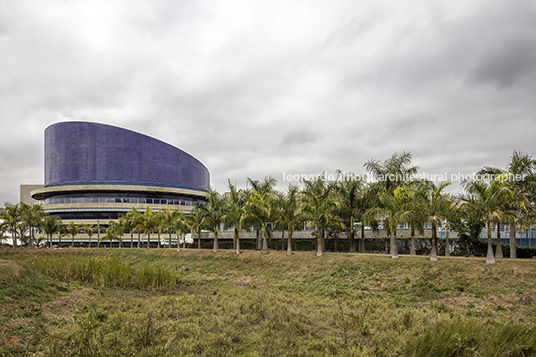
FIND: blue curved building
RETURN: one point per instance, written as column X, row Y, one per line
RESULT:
column 95, row 171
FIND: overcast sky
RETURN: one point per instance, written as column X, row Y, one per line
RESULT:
column 253, row 88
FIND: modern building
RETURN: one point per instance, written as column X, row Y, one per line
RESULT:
column 94, row 172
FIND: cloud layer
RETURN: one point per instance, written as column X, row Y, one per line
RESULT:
column 256, row 88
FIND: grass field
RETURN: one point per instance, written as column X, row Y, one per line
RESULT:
column 122, row 302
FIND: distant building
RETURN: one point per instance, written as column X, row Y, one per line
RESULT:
column 94, row 172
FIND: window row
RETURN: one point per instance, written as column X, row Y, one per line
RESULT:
column 132, row 200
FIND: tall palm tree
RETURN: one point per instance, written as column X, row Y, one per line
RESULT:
column 128, row 226
column 319, row 207
column 198, row 223
column 169, row 222
column 150, row 223
column 136, row 218
column 349, row 188
column 393, row 171
column 522, row 168
column 258, row 209
column 73, row 230
column 436, row 203
column 114, row 231
column 262, row 187
column 489, row 196
column 11, row 215
column 213, row 213
column 290, row 212
column 234, row 210
column 90, row 230
column 33, row 216
column 393, row 211
column 51, row 225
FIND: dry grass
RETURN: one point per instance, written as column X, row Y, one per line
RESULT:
column 250, row 304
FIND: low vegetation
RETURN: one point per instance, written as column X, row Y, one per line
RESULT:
column 111, row 302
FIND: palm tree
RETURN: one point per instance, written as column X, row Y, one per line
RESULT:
column 51, row 225
column 32, row 215
column 290, row 212
column 213, row 213
column 62, row 232
column 114, row 231
column 89, row 229
column 258, row 209
column 169, row 222
column 73, row 230
column 137, row 222
column 451, row 213
column 320, row 205
column 489, row 195
column 197, row 223
column 128, row 226
column 183, row 223
column 234, row 210
column 435, row 206
column 393, row 171
column 393, row 210
column 262, row 187
column 150, row 223
column 349, row 188
column 2, row 233
column 522, row 168
column 11, row 216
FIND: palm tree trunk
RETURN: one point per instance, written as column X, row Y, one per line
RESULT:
column 323, row 240
column 447, row 242
column 264, row 242
column 169, row 240
column 216, row 248
column 259, row 239
column 131, row 239
column 352, row 240
column 513, row 245
column 237, row 238
column 183, row 241
column 362, row 247
column 199, row 240
column 498, row 250
column 394, row 246
column 148, row 239
column 289, row 241
column 412, row 241
column 139, row 239
column 72, row 244
column 158, row 244
column 433, row 252
column 490, row 259
column 318, row 245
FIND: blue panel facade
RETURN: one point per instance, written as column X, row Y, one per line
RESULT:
column 92, row 153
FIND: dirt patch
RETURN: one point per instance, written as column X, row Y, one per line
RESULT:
column 64, row 305
column 9, row 270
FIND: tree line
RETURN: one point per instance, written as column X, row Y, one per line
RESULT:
column 344, row 206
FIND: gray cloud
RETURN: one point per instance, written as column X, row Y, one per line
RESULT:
column 253, row 89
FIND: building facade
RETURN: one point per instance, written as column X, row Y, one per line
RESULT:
column 94, row 172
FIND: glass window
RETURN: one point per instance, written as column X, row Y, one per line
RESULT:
column 149, row 200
